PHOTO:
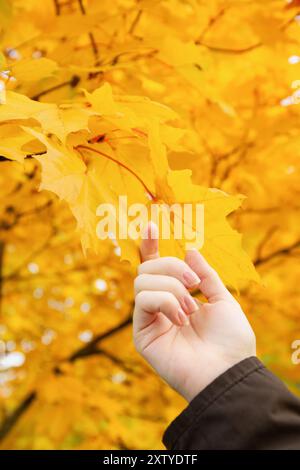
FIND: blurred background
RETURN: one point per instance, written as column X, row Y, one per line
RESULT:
column 69, row 375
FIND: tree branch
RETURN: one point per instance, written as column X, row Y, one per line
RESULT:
column 91, row 36
column 211, row 22
column 85, row 351
column 11, row 420
column 56, row 7
column 2, row 245
column 226, row 50
column 17, row 216
column 32, row 256
column 280, row 252
column 268, row 235
column 73, row 82
column 91, row 348
column 30, row 155
column 135, row 22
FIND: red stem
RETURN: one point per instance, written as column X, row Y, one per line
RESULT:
column 85, row 147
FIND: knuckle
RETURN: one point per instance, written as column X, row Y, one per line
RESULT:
column 138, row 282
column 140, row 298
column 170, row 259
column 173, row 260
column 141, row 268
column 174, row 264
column 147, row 266
column 177, row 287
column 168, row 300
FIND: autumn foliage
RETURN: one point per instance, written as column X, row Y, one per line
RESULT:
column 162, row 101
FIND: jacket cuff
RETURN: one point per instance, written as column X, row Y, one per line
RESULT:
column 207, row 397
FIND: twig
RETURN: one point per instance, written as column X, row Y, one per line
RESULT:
column 73, row 82
column 91, row 347
column 91, row 36
column 31, row 256
column 265, row 239
column 57, row 7
column 2, row 246
column 282, row 251
column 135, row 22
column 13, row 418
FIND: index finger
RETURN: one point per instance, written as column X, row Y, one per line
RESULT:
column 149, row 245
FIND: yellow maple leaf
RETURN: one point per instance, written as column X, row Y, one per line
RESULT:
column 12, row 141
column 222, row 245
column 99, row 172
column 58, row 120
column 62, row 169
column 30, row 70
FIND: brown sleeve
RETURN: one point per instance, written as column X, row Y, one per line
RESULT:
column 247, row 407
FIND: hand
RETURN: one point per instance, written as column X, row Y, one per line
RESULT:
column 189, row 344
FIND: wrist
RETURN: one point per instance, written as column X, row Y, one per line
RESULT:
column 196, row 382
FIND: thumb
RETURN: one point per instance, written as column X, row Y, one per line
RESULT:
column 211, row 284
column 149, row 245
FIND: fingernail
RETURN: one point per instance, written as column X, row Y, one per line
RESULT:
column 190, row 303
column 183, row 318
column 191, row 279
